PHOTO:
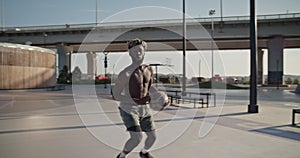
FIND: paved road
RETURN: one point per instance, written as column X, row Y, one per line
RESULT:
column 67, row 124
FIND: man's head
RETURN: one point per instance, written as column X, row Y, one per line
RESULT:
column 135, row 42
column 136, row 48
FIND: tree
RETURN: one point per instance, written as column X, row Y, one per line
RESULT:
column 64, row 76
column 296, row 81
column 288, row 81
column 76, row 74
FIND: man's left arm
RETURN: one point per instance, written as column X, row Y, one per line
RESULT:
column 151, row 88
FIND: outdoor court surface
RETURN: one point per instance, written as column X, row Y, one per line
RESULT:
column 52, row 124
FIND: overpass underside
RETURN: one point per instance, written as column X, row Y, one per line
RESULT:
column 274, row 35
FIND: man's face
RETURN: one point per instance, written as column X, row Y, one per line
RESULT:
column 137, row 53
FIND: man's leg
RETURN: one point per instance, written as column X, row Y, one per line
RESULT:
column 134, row 140
column 151, row 137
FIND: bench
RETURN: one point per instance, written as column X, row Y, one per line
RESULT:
column 186, row 99
column 189, row 98
column 57, row 87
column 194, row 100
column 295, row 111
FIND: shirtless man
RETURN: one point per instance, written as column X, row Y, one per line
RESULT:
column 132, row 90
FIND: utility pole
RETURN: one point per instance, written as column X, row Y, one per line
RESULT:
column 183, row 49
column 105, row 69
column 253, row 107
column 212, row 13
column 96, row 12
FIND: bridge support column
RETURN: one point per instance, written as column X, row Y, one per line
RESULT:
column 260, row 69
column 275, row 60
column 64, row 56
column 91, row 65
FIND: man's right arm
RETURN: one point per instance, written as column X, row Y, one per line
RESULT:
column 119, row 88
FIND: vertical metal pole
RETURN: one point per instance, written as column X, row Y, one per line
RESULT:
column 212, row 13
column 96, row 12
column 2, row 16
column 199, row 68
column 221, row 10
column 253, row 107
column 156, row 76
column 277, row 69
column 212, row 47
column 69, row 62
column 183, row 49
column 105, row 69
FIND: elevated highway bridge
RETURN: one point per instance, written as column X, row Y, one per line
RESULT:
column 275, row 32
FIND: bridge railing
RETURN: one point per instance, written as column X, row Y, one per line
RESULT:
column 66, row 27
column 259, row 17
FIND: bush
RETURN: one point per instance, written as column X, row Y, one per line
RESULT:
column 296, row 81
column 64, row 77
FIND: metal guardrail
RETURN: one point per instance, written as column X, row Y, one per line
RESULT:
column 73, row 27
column 259, row 17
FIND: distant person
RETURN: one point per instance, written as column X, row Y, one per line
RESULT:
column 132, row 90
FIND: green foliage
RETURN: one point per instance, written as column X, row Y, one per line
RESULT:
column 288, row 81
column 64, row 77
column 296, row 81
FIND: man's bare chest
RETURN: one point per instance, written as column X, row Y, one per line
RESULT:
column 140, row 76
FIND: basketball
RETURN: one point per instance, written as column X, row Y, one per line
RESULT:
column 159, row 101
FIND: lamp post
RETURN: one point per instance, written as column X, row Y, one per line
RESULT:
column 221, row 13
column 211, row 14
column 183, row 49
column 221, row 10
column 199, row 67
column 96, row 12
column 105, row 69
column 253, row 107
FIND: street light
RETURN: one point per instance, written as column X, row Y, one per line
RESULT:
column 183, row 49
column 96, row 12
column 199, row 67
column 211, row 13
column 105, row 69
column 221, row 13
column 253, row 107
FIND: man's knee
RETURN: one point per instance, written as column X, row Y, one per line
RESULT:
column 136, row 137
column 151, row 135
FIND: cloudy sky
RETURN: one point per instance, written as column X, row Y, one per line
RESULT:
column 17, row 13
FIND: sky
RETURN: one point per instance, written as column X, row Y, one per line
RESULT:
column 18, row 13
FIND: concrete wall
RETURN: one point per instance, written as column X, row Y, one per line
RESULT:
column 23, row 67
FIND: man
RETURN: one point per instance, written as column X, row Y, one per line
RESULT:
column 132, row 90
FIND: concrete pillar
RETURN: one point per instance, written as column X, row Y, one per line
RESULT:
column 64, row 56
column 91, row 65
column 260, row 70
column 275, row 60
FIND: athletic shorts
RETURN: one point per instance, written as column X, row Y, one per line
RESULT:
column 137, row 118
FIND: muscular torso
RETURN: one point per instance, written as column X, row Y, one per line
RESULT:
column 140, row 81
